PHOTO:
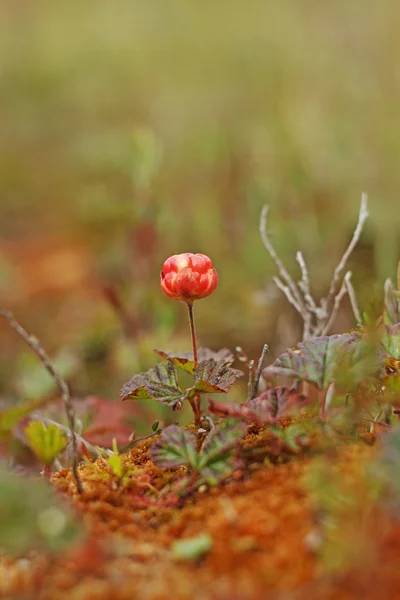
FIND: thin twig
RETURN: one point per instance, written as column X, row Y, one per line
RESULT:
column 288, row 293
column 259, row 371
column 250, row 385
column 352, row 297
column 34, row 344
column 330, row 394
column 376, row 422
column 336, row 305
column 271, row 250
column 304, row 284
column 362, row 216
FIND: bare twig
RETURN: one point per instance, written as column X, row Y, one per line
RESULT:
column 304, row 313
column 317, row 318
column 338, row 298
column 362, row 216
column 304, row 284
column 250, row 385
column 376, row 422
column 34, row 344
column 280, row 266
column 257, row 377
column 288, row 293
column 352, row 297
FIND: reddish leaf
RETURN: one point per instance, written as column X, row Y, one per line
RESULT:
column 277, row 402
column 108, row 422
column 267, row 408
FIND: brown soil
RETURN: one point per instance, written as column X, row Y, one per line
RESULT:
column 268, row 541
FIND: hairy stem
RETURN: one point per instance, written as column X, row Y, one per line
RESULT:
column 34, row 344
column 193, row 334
column 195, row 402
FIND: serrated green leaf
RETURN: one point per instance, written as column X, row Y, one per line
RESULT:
column 391, row 340
column 175, row 447
column 184, row 360
column 212, row 377
column 159, row 383
column 46, row 441
column 345, row 359
column 216, row 460
column 192, row 548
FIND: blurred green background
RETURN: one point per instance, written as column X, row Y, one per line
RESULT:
column 132, row 130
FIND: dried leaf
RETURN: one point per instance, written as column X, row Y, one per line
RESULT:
column 46, row 441
column 345, row 359
column 184, row 360
column 159, row 383
column 175, row 447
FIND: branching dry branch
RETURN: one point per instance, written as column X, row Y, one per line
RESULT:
column 317, row 319
column 34, row 344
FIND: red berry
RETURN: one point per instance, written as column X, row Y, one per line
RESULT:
column 188, row 277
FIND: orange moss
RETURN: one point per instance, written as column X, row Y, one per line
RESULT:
column 260, row 523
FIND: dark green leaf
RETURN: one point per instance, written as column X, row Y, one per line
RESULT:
column 46, row 441
column 212, row 377
column 216, row 457
column 159, row 383
column 344, row 359
column 175, row 447
column 184, row 360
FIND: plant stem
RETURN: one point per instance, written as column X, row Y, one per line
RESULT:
column 193, row 334
column 195, row 402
